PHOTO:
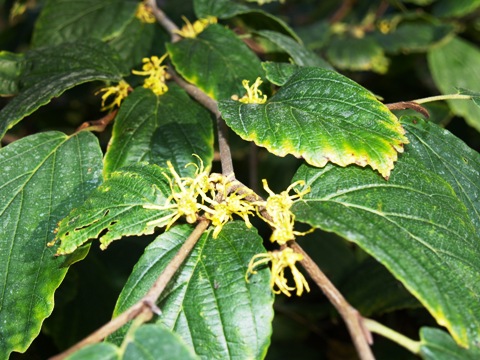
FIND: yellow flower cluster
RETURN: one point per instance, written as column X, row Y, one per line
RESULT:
column 156, row 73
column 190, row 30
column 278, row 208
column 144, row 13
column 216, row 197
column 119, row 91
column 281, row 260
column 254, row 95
column 205, row 193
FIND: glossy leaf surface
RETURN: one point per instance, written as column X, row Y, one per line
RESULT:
column 298, row 52
column 323, row 117
column 151, row 341
column 68, row 20
column 208, row 302
column 436, row 344
column 51, row 71
column 414, row 224
column 159, row 128
column 116, row 209
column 216, row 61
column 43, row 176
column 462, row 59
column 11, row 66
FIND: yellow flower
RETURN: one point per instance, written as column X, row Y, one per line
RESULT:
column 278, row 207
column 253, row 95
column 280, row 260
column 119, row 91
column 190, row 30
column 156, row 72
column 144, row 14
column 224, row 204
column 185, row 192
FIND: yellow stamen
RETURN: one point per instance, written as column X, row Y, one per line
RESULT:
column 156, row 73
column 144, row 13
column 190, row 30
column 119, row 91
column 253, row 95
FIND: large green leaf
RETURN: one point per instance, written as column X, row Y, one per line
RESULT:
column 414, row 224
column 455, row 8
column 253, row 18
column 43, row 176
column 413, row 36
column 159, row 128
column 299, row 53
column 151, row 341
column 51, row 71
column 115, row 209
column 208, row 302
column 11, row 66
column 436, row 344
column 323, row 117
column 445, row 154
column 68, row 20
column 216, row 61
column 357, row 54
column 139, row 40
column 453, row 65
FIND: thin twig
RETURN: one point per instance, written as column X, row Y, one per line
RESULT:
column 164, row 21
column 146, row 305
column 98, row 125
column 442, row 97
column 342, row 11
column 360, row 335
column 402, row 105
column 409, row 344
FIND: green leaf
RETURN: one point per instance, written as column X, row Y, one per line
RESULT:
column 413, row 36
column 69, row 20
column 216, row 61
column 115, row 209
column 456, row 64
column 139, row 40
column 43, row 176
column 299, row 53
column 323, row 117
column 436, row 344
column 279, row 73
column 154, row 341
column 414, row 224
column 445, row 154
column 150, row 341
column 449, row 8
column 222, row 9
column 364, row 54
column 474, row 94
column 159, row 128
column 208, row 302
column 101, row 351
column 253, row 18
column 11, row 66
column 51, row 71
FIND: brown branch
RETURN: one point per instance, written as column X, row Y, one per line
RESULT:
column 146, row 306
column 342, row 11
column 98, row 125
column 402, row 105
column 360, row 335
column 164, row 21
